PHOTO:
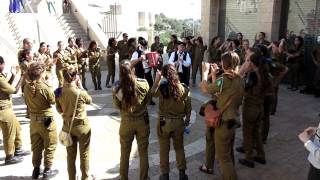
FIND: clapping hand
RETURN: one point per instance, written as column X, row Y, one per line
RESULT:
column 214, row 68
column 307, row 134
column 14, row 70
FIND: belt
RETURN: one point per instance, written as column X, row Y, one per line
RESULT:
column 171, row 117
column 133, row 118
column 77, row 123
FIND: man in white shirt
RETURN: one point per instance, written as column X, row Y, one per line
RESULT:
column 314, row 148
column 140, row 63
column 182, row 61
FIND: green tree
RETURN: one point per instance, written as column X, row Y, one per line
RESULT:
column 165, row 26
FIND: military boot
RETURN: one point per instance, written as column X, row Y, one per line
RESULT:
column 36, row 173
column 182, row 175
column 21, row 152
column 12, row 160
column 164, row 176
column 48, row 173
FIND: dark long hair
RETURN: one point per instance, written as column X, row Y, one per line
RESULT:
column 92, row 43
column 170, row 73
column 213, row 40
column 41, row 44
column 258, row 60
column 301, row 42
column 110, row 41
column 79, row 42
column 128, row 86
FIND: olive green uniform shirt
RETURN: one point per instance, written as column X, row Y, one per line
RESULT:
column 39, row 101
column 157, row 47
column 73, row 53
column 214, row 55
column 5, row 96
column 65, row 103
column 142, row 88
column 123, row 48
column 225, row 87
column 63, row 58
column 94, row 57
column 198, row 54
column 169, row 107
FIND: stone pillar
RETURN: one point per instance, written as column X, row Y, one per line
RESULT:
column 269, row 13
column 209, row 19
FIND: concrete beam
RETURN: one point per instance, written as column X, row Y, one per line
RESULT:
column 209, row 19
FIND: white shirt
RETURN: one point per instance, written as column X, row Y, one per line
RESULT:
column 179, row 64
column 135, row 56
column 314, row 148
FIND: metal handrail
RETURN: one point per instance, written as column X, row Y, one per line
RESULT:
column 301, row 14
column 7, row 44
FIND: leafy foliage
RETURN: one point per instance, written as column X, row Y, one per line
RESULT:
column 165, row 26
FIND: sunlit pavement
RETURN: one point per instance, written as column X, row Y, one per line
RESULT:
column 286, row 156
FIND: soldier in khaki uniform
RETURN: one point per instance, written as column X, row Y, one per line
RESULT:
column 198, row 55
column 82, row 61
column 111, row 61
column 173, row 45
column 228, row 87
column 61, row 58
column 81, row 130
column 39, row 97
column 73, row 51
column 26, row 46
column 157, row 46
column 9, row 124
column 174, row 106
column 256, row 87
column 214, row 50
column 130, row 95
column 123, row 48
column 42, row 56
column 94, row 54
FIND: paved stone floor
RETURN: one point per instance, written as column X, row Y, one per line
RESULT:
column 286, row 156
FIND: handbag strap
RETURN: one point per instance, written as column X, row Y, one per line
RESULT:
column 74, row 111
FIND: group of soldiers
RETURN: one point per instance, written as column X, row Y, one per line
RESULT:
column 232, row 72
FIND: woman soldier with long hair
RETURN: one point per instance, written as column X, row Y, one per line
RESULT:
column 174, row 106
column 130, row 95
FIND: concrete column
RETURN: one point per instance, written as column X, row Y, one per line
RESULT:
column 209, row 19
column 269, row 15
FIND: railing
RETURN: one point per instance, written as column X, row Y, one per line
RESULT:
column 110, row 24
column 301, row 14
column 230, row 26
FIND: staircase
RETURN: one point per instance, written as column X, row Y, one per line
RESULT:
column 72, row 28
column 8, row 47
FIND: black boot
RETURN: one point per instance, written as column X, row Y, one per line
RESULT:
column 36, row 173
column 12, row 160
column 260, row 160
column 99, row 87
column 164, row 176
column 247, row 163
column 182, row 175
column 20, row 152
column 240, row 149
column 48, row 173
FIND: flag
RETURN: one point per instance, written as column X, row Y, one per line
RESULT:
column 15, row 6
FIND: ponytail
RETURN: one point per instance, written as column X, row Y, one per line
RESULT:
column 128, row 86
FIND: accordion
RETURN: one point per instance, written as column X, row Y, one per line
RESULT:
column 152, row 59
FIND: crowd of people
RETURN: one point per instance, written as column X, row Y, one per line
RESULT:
column 238, row 77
